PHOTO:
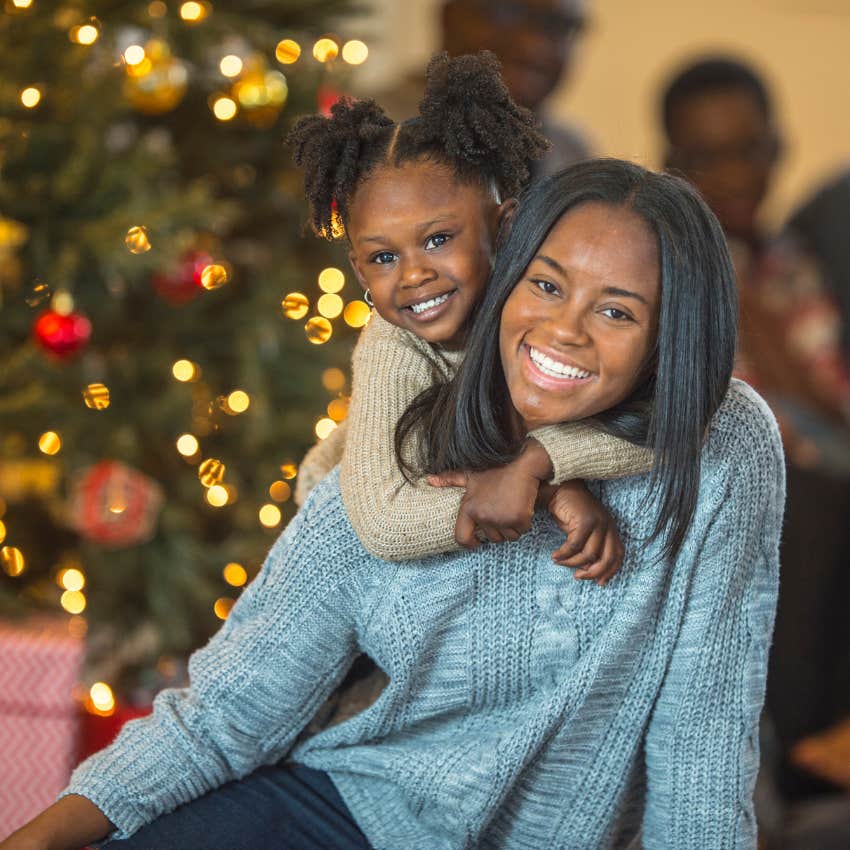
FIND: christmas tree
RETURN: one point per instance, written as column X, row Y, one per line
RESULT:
column 170, row 334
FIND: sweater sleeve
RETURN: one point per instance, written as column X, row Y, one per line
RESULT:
column 319, row 461
column 286, row 644
column 394, row 518
column 702, row 749
column 580, row 451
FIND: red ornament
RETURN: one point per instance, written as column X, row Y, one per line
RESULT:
column 62, row 335
column 115, row 505
column 326, row 97
column 184, row 283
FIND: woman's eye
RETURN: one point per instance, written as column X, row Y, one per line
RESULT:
column 383, row 257
column 617, row 315
column 437, row 240
column 546, row 286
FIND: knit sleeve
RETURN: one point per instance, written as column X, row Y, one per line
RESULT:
column 580, row 451
column 394, row 518
column 702, row 749
column 286, row 644
column 319, row 461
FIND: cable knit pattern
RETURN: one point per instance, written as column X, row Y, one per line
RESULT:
column 399, row 520
column 525, row 710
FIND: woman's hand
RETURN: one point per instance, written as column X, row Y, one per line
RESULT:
column 593, row 544
column 499, row 503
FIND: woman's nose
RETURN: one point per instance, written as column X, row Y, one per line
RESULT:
column 568, row 325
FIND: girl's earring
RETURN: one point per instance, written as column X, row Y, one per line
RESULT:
column 367, row 297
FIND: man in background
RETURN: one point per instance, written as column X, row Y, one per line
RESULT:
column 534, row 40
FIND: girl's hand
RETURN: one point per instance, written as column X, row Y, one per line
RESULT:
column 593, row 544
column 499, row 503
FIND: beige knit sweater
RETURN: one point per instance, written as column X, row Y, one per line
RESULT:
column 397, row 520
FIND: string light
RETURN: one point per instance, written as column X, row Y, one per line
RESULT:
column 2, row 531
column 270, row 515
column 222, row 607
column 280, row 491
column 338, row 409
column 71, row 579
column 331, row 280
column 100, row 699
column 186, row 370
column 134, row 54
column 85, row 34
column 193, row 12
column 157, row 9
column 324, row 428
column 333, row 379
column 12, row 560
column 224, row 108
column 50, row 443
column 296, row 305
column 235, row 574
column 137, row 240
column 96, row 396
column 318, row 330
column 31, row 97
column 73, row 601
column 217, row 496
column 325, row 50
column 287, row 51
column 355, row 52
column 356, row 314
column 22, row 4
column 329, row 305
column 230, row 65
column 238, row 401
column 187, row 445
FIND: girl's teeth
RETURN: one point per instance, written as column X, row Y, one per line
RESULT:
column 427, row 305
column 552, row 367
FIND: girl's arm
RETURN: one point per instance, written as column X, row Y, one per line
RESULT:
column 702, row 748
column 394, row 518
column 319, row 461
column 285, row 646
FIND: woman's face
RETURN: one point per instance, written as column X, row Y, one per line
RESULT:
column 581, row 323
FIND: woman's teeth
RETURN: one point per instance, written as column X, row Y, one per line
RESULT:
column 556, row 370
column 427, row 305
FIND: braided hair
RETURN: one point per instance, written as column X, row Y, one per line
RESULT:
column 467, row 122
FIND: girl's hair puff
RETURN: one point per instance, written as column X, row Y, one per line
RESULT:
column 467, row 122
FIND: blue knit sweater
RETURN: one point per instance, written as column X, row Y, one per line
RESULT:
column 524, row 709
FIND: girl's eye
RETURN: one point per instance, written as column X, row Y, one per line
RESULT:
column 383, row 257
column 437, row 240
column 617, row 315
column 546, row 286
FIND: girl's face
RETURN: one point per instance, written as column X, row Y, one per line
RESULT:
column 422, row 244
column 578, row 329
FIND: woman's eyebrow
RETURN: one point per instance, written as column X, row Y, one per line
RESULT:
column 608, row 290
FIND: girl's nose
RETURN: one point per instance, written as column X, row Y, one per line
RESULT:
column 414, row 272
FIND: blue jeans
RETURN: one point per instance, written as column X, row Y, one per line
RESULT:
column 282, row 807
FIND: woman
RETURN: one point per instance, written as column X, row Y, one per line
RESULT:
column 524, row 710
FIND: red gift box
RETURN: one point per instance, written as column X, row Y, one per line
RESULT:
column 39, row 666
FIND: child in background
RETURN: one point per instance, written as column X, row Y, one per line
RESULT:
column 422, row 204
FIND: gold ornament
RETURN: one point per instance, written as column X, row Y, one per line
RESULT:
column 210, row 472
column 288, row 470
column 12, row 560
column 295, row 305
column 213, row 276
column 96, row 396
column 157, row 83
column 137, row 241
column 318, row 330
column 260, row 93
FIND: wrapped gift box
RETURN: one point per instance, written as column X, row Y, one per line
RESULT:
column 39, row 667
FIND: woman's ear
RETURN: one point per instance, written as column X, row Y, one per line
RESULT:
column 504, row 219
column 355, row 267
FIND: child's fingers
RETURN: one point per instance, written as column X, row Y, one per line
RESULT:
column 465, row 531
column 573, row 545
column 590, row 552
column 452, row 478
column 611, row 560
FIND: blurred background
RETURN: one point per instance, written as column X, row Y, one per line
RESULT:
column 173, row 339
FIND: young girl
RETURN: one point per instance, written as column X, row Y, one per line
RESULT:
column 421, row 204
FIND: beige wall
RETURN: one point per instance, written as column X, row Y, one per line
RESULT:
column 802, row 46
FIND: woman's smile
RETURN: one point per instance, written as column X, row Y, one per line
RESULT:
column 579, row 328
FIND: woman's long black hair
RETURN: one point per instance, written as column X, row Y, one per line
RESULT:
column 466, row 423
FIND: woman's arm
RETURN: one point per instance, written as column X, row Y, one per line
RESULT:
column 284, row 647
column 395, row 519
column 702, row 750
column 319, row 461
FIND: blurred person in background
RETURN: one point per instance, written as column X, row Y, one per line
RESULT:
column 534, row 40
column 722, row 135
